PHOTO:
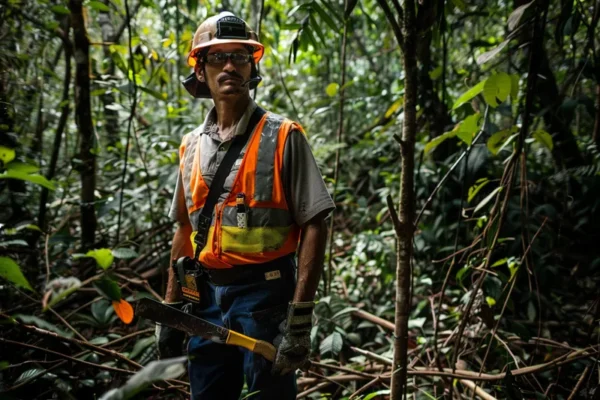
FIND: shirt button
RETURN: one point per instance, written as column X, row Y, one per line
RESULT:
column 222, row 148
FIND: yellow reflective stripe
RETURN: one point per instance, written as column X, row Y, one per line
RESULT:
column 211, row 233
column 253, row 240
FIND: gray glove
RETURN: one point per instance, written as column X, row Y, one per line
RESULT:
column 293, row 343
column 169, row 341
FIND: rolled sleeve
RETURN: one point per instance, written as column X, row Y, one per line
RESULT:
column 306, row 192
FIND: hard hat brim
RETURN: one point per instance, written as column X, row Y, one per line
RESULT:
column 259, row 49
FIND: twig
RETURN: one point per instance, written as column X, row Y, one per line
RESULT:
column 477, row 390
column 365, row 387
column 47, row 259
column 579, row 383
column 75, row 331
column 312, row 390
column 340, row 369
column 76, row 360
column 374, row 319
column 447, row 175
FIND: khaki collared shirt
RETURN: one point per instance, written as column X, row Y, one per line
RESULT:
column 306, row 193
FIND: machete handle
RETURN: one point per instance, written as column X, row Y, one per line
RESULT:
column 265, row 349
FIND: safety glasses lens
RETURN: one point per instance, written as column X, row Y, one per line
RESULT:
column 221, row 58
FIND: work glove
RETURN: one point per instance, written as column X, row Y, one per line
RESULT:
column 169, row 341
column 293, row 342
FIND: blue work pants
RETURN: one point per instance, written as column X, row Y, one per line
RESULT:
column 255, row 309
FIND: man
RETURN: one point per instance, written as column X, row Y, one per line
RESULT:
column 272, row 204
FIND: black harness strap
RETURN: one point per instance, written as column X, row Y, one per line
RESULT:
column 216, row 186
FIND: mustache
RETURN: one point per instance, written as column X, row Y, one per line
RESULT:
column 229, row 75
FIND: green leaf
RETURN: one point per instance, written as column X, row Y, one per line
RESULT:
column 497, row 140
column 98, row 6
column 466, row 129
column 473, row 190
column 436, row 73
column 108, row 288
column 11, row 271
column 515, row 16
column 433, row 143
column 6, row 154
column 487, row 199
column 332, row 89
column 490, row 301
column 153, row 93
column 104, row 257
column 155, row 371
column 141, row 345
column 332, row 344
column 469, row 94
column 378, row 393
column 62, row 288
column 497, row 88
column 40, row 323
column 394, row 107
column 30, row 373
column 34, row 178
column 24, row 167
column 4, row 365
column 324, row 16
column 544, row 138
column 488, row 55
column 124, row 252
column 514, row 87
column 60, row 10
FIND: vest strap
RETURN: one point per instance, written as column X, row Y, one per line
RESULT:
column 216, row 186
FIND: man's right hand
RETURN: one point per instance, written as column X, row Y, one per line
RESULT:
column 169, row 341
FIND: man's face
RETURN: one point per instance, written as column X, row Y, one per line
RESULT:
column 225, row 80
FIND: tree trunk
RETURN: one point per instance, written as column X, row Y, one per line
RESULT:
column 108, row 98
column 83, row 118
column 62, row 122
column 405, row 228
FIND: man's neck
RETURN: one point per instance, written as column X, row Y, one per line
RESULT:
column 229, row 113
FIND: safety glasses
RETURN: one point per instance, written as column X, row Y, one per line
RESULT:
column 221, row 58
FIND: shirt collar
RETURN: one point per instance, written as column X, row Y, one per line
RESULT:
column 210, row 122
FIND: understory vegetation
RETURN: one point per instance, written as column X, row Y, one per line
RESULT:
column 504, row 299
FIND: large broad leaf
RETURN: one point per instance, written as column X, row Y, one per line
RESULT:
column 544, row 138
column 34, row 178
column 332, row 344
column 104, row 257
column 40, row 323
column 6, row 155
column 515, row 16
column 108, row 288
column 497, row 140
column 11, row 271
column 488, row 55
column 332, row 89
column 124, row 252
column 466, row 129
column 155, row 371
column 435, row 142
column 469, row 94
column 497, row 88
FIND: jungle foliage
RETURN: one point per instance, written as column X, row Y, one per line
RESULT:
column 504, row 292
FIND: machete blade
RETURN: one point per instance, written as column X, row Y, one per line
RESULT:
column 174, row 318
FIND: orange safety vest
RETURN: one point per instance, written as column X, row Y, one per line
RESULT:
column 270, row 231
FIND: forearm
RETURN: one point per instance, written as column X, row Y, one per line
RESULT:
column 311, row 255
column 181, row 247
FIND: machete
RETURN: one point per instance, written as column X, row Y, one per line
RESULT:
column 195, row 326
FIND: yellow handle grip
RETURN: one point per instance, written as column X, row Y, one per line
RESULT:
column 265, row 349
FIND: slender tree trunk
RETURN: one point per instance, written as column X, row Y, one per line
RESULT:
column 83, row 117
column 405, row 229
column 62, row 122
column 328, row 277
column 596, row 135
column 108, row 98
